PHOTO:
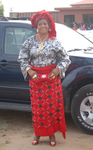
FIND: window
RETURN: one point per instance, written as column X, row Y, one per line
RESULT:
column 88, row 18
column 14, row 37
column 68, row 19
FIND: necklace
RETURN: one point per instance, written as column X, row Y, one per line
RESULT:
column 41, row 46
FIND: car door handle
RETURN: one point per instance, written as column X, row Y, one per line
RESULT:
column 4, row 63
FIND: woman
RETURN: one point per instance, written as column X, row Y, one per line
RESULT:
column 44, row 61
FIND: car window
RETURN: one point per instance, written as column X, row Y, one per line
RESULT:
column 14, row 37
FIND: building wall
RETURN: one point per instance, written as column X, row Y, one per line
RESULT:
column 58, row 16
column 83, row 5
column 78, row 14
column 13, row 14
column 55, row 15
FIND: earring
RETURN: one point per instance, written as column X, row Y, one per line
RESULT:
column 49, row 30
column 37, row 31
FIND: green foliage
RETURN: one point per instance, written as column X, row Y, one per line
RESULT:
column 1, row 8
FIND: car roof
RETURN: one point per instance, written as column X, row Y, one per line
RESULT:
column 15, row 21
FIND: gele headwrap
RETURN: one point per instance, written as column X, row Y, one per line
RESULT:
column 44, row 15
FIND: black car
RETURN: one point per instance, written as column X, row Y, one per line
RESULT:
column 77, row 85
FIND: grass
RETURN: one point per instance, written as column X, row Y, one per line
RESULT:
column 7, row 141
column 4, row 126
column 2, row 144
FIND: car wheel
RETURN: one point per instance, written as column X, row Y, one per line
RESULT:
column 82, row 108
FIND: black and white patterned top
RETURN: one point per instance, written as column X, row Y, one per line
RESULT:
column 52, row 53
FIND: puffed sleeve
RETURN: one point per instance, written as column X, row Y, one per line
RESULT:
column 24, row 57
column 62, row 59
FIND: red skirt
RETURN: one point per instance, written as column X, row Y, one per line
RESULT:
column 47, row 104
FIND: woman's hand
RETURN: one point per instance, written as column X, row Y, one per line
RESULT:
column 33, row 74
column 54, row 73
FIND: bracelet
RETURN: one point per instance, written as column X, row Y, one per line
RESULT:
column 28, row 68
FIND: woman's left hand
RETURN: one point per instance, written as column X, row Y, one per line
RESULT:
column 54, row 73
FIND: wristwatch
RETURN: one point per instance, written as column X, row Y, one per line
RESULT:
column 28, row 68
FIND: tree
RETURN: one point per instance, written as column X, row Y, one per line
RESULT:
column 1, row 8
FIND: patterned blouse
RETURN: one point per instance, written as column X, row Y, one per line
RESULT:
column 52, row 53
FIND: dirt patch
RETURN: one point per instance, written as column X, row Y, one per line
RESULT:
column 16, row 133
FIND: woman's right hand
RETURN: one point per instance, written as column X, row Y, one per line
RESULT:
column 33, row 74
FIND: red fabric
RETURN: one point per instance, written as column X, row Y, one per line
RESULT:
column 47, row 105
column 45, row 69
column 45, row 15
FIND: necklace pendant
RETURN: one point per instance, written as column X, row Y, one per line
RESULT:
column 41, row 46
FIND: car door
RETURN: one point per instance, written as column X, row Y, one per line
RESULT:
column 13, row 88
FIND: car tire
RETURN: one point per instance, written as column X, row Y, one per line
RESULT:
column 82, row 108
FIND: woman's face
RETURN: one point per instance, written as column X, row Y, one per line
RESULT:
column 43, row 26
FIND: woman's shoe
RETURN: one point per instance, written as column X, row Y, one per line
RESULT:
column 52, row 143
column 35, row 142
column 52, row 140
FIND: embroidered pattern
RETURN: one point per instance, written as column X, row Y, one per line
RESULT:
column 52, row 53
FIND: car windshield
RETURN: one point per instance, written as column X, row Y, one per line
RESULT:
column 71, row 39
column 88, row 34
